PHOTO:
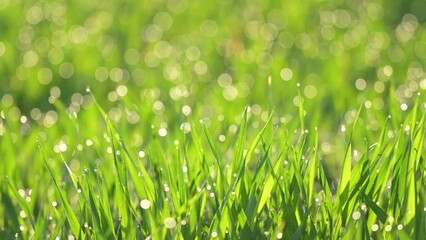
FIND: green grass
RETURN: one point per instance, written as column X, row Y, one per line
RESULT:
column 255, row 186
column 219, row 119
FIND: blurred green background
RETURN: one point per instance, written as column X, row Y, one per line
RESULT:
column 147, row 61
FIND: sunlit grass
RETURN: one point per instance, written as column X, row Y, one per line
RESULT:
column 257, row 186
column 218, row 119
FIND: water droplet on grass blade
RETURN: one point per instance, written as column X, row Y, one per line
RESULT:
column 356, row 215
column 89, row 142
column 145, row 204
column 162, row 132
column 186, row 110
column 388, row 228
column 169, row 223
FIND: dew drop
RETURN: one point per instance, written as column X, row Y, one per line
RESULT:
column 388, row 228
column 186, row 110
column 162, row 132
column 356, row 215
column 145, row 204
column 169, row 223
column 89, row 142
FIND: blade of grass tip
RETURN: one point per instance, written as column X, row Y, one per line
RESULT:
column 256, row 140
column 301, row 109
column 238, row 156
column 72, row 219
column 120, row 167
column 40, row 227
column 123, row 196
column 90, row 202
column 10, row 216
column 74, row 177
column 239, row 167
column 222, row 183
column 92, row 206
column 417, row 138
column 197, row 144
column 180, row 177
column 105, row 204
column 346, row 169
column 234, row 186
column 414, row 118
column 380, row 213
column 270, row 108
column 104, row 115
column 148, row 185
column 327, row 205
column 267, row 187
column 22, row 203
column 393, row 106
column 312, row 169
column 212, row 148
column 104, row 227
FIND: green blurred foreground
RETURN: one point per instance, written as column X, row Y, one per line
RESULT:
column 212, row 119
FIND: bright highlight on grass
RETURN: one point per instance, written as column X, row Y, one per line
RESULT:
column 170, row 223
column 145, row 204
column 223, row 119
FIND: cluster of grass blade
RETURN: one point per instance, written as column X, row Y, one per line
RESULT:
column 261, row 190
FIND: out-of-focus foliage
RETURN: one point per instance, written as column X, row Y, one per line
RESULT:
column 156, row 68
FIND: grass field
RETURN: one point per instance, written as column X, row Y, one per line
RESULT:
column 222, row 119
